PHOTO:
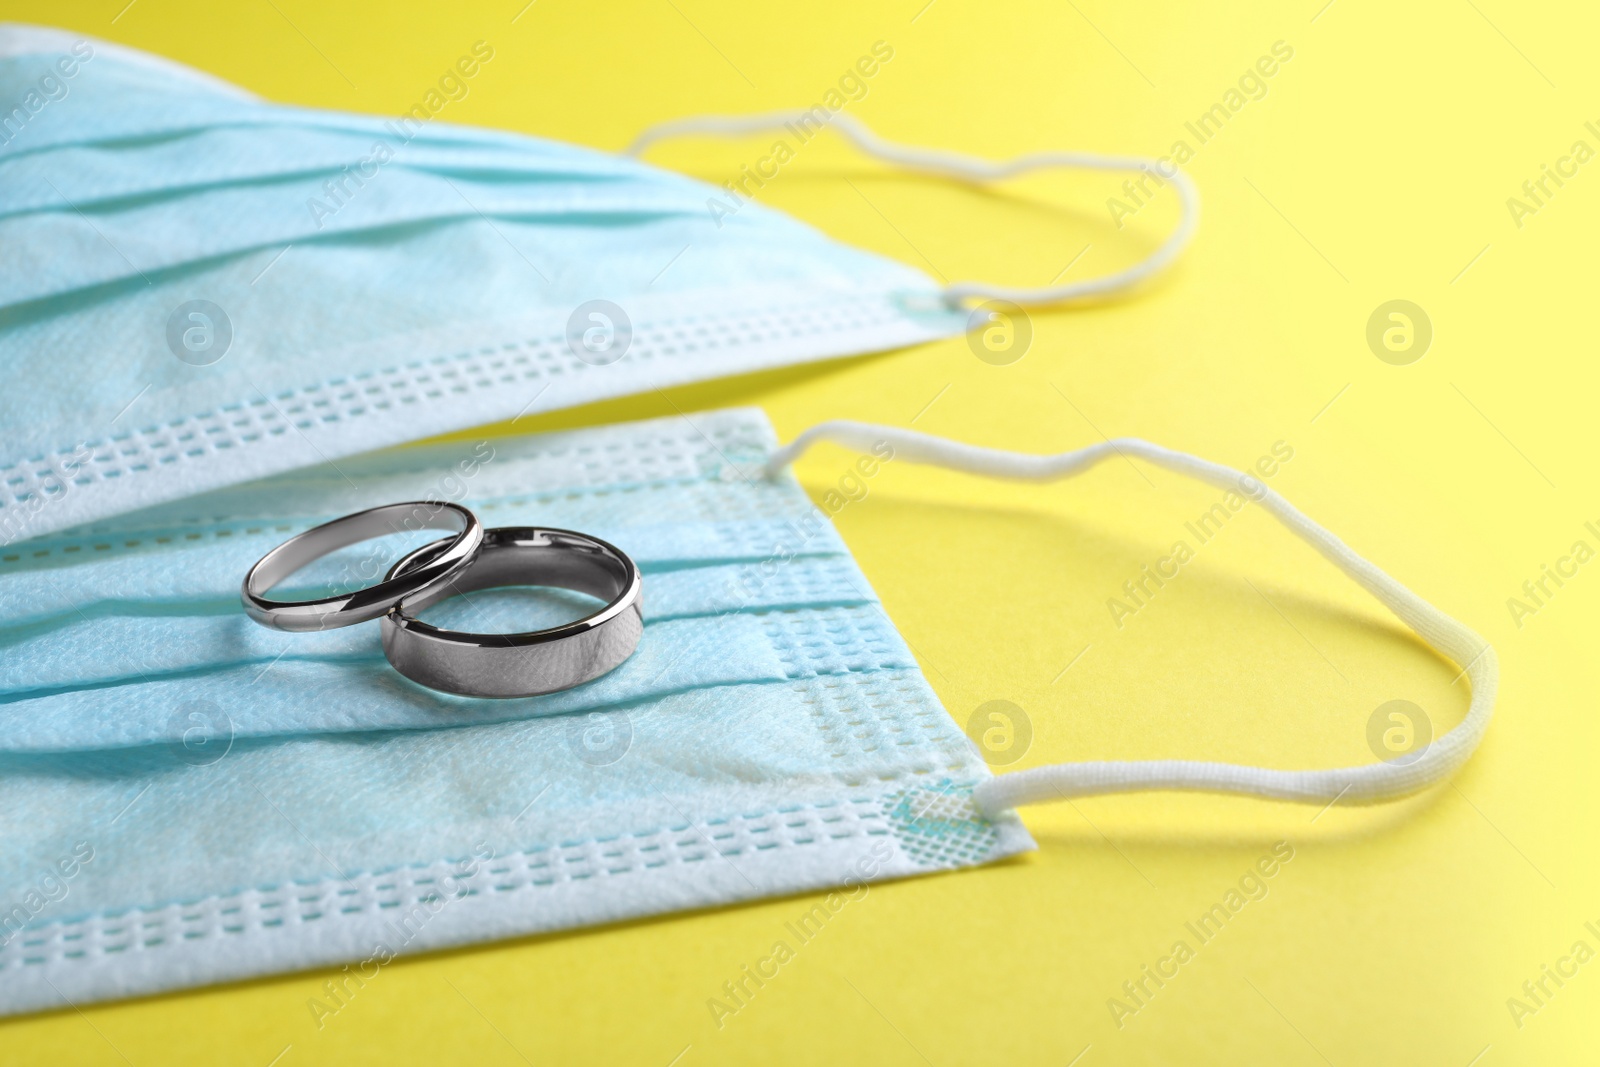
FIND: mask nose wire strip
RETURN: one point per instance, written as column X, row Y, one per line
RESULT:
column 1370, row 783
column 970, row 169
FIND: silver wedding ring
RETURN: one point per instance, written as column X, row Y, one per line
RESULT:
column 536, row 661
column 369, row 603
column 477, row 665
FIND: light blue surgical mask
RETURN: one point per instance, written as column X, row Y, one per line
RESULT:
column 178, row 813
column 200, row 288
column 771, row 735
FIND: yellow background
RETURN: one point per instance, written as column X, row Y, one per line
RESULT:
column 1376, row 167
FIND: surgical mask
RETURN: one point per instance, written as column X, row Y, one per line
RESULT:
column 202, row 289
column 772, row 734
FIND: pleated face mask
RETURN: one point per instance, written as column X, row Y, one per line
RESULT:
column 263, row 801
column 200, row 288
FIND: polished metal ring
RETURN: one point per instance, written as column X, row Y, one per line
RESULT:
column 442, row 559
column 521, row 664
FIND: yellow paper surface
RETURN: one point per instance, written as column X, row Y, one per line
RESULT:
column 1373, row 165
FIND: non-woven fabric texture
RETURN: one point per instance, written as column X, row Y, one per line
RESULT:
column 190, row 798
column 201, row 288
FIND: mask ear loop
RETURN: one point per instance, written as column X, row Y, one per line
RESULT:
column 971, row 169
column 1369, row 784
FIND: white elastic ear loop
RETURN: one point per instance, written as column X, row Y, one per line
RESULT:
column 1365, row 784
column 970, row 168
